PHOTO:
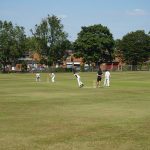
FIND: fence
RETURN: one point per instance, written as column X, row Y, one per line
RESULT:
column 132, row 68
column 144, row 67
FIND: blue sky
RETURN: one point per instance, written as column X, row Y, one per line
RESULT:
column 120, row 16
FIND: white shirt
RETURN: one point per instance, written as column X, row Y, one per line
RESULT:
column 107, row 74
column 76, row 75
column 37, row 75
column 53, row 75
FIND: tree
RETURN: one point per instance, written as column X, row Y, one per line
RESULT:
column 32, row 44
column 135, row 47
column 12, row 43
column 51, row 38
column 117, row 52
column 94, row 44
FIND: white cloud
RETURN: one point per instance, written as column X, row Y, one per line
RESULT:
column 137, row 12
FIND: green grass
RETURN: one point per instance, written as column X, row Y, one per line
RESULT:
column 61, row 116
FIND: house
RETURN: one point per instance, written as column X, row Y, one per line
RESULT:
column 72, row 61
column 31, row 59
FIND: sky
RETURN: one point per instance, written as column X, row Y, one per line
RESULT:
column 120, row 16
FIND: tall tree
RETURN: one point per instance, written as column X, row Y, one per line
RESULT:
column 117, row 52
column 12, row 43
column 32, row 44
column 135, row 47
column 94, row 44
column 51, row 38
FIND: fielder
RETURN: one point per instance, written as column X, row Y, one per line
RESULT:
column 107, row 78
column 52, row 75
column 37, row 77
column 80, row 84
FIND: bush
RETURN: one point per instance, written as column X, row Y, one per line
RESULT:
column 24, row 67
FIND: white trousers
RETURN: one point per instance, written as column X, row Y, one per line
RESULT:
column 106, row 82
column 79, row 82
column 53, row 79
column 37, row 79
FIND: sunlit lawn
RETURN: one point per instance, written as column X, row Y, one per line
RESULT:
column 61, row 116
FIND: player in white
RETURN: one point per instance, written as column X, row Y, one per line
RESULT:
column 107, row 78
column 52, row 75
column 37, row 77
column 79, row 80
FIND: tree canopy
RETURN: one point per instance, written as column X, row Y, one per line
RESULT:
column 135, row 47
column 51, row 38
column 95, row 44
column 12, row 43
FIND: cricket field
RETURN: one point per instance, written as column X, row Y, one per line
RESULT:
column 62, row 116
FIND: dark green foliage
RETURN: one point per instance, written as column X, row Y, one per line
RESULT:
column 135, row 47
column 32, row 44
column 51, row 38
column 94, row 43
column 12, row 43
column 24, row 67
